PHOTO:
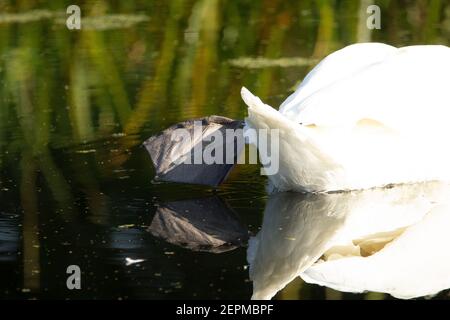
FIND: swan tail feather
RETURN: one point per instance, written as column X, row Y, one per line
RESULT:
column 303, row 164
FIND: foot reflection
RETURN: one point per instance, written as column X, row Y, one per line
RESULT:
column 390, row 240
column 200, row 225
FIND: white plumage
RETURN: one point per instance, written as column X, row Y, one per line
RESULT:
column 368, row 115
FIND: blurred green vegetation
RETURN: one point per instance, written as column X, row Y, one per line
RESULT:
column 139, row 66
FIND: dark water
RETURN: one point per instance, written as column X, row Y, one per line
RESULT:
column 75, row 184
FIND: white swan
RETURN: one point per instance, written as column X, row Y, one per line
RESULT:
column 368, row 115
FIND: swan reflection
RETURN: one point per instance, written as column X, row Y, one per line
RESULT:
column 391, row 240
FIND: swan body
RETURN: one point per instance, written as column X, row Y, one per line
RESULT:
column 368, row 115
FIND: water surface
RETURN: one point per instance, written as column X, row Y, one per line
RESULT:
column 75, row 184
